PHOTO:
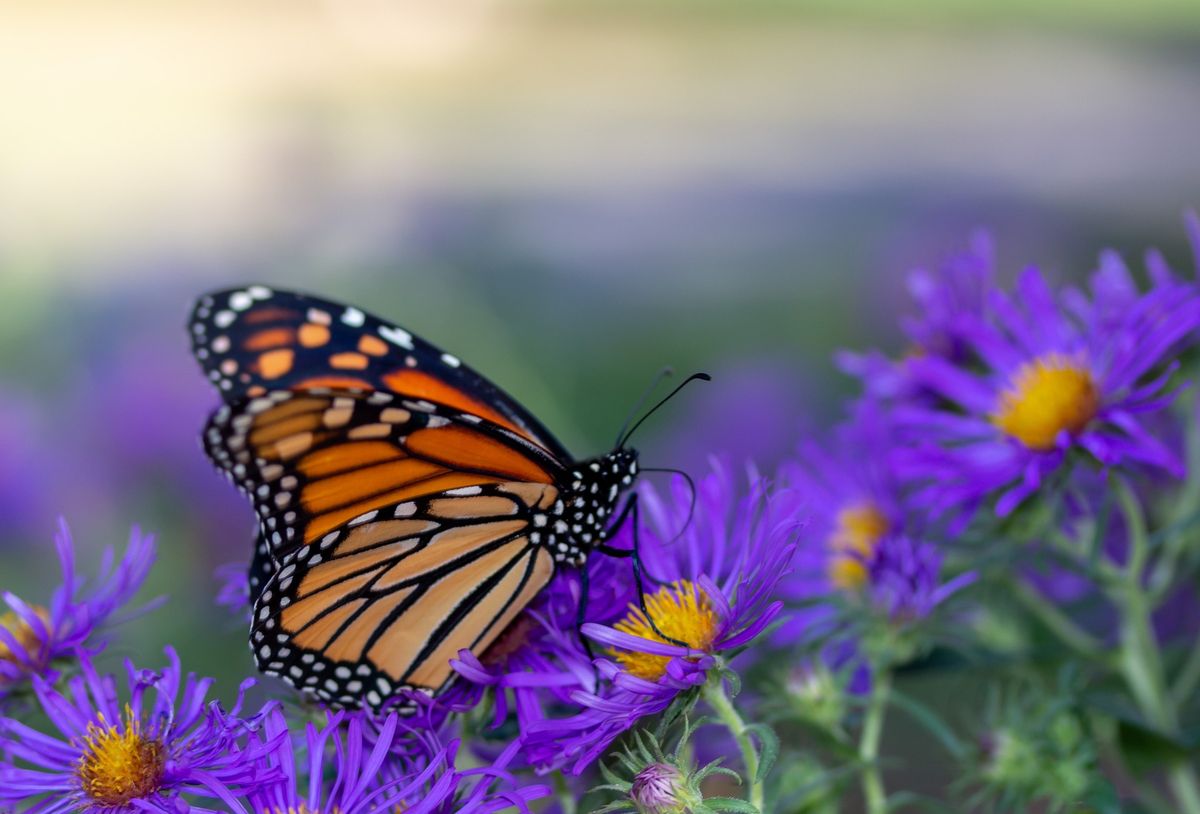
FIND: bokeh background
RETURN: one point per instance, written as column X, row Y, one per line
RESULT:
column 569, row 195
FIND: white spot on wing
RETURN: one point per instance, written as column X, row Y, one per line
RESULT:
column 451, row 360
column 364, row 518
column 397, row 336
column 353, row 317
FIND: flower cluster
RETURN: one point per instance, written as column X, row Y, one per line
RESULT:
column 718, row 564
column 35, row 638
column 1028, row 464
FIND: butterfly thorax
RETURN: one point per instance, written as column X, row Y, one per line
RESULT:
column 582, row 517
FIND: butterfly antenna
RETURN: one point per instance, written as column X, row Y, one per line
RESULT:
column 658, row 377
column 691, row 506
column 624, row 437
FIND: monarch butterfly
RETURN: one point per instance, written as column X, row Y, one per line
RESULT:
column 408, row 508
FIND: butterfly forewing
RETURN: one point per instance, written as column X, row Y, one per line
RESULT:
column 254, row 340
column 312, row 461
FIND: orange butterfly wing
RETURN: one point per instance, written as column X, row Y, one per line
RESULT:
column 254, row 340
column 383, row 604
column 392, row 535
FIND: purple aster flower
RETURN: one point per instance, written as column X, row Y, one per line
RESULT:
column 1050, row 377
column 484, row 789
column 162, row 744
column 361, row 761
column 717, row 584
column 34, row 637
column 904, row 578
column 1114, row 289
column 425, row 774
column 852, row 499
column 345, row 766
column 233, row 592
column 958, row 286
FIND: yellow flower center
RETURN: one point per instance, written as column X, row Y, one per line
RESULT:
column 118, row 767
column 856, row 532
column 682, row 612
column 1046, row 396
column 22, row 631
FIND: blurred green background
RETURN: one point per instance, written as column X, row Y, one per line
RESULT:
column 569, row 195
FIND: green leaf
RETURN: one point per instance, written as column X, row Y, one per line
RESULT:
column 729, row 804
column 908, row 800
column 614, row 807
column 929, row 719
column 768, row 748
column 609, row 775
column 682, row 706
column 713, row 768
column 1104, row 800
column 734, row 681
column 1146, row 750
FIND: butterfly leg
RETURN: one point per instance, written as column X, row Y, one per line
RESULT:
column 631, row 508
column 580, row 618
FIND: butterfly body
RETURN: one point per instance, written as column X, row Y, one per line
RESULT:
column 407, row 507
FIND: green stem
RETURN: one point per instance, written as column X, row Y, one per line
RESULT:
column 566, row 799
column 1140, row 659
column 715, row 695
column 1188, row 679
column 868, row 745
column 1141, row 665
column 1058, row 622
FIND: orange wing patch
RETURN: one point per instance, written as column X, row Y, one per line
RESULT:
column 313, row 335
column 333, row 383
column 459, row 446
column 417, row 384
column 275, row 363
column 271, row 338
column 350, row 360
column 372, row 345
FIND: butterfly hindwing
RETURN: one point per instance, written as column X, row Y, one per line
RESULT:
column 382, row 603
column 254, row 340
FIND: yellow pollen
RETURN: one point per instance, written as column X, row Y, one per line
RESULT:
column 856, row 532
column 1046, row 396
column 22, row 631
column 118, row 767
column 682, row 612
